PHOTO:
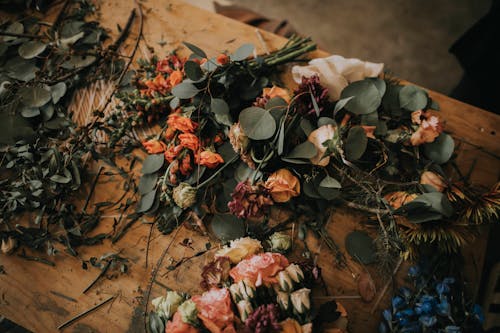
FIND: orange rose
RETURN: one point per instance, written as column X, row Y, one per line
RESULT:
column 222, row 59
column 398, row 199
column 154, row 146
column 176, row 325
column 189, row 141
column 185, row 168
column 171, row 153
column 259, row 269
column 214, row 310
column 183, row 124
column 290, row 325
column 432, row 178
column 209, row 159
column 283, row 185
column 175, row 78
column 276, row 91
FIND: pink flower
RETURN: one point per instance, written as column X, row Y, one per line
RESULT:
column 214, row 310
column 259, row 269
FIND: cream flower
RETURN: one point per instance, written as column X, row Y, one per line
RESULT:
column 317, row 137
column 166, row 305
column 239, row 249
column 300, row 300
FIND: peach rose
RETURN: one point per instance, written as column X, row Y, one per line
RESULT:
column 214, row 310
column 183, row 124
column 176, row 325
column 398, row 199
column 209, row 159
column 283, row 185
column 175, row 78
column 276, row 91
column 259, row 269
column 317, row 137
column 190, row 141
column 432, row 178
column 154, row 146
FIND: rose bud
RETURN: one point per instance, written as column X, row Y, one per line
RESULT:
column 300, row 300
column 295, row 273
column 285, row 282
column 245, row 309
column 280, row 242
column 283, row 300
column 247, row 291
column 234, row 289
column 184, row 195
column 188, row 312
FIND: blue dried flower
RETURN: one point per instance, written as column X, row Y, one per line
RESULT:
column 442, row 288
column 414, row 271
column 443, row 308
column 387, row 314
column 428, row 321
column 452, row 329
column 397, row 303
column 477, row 311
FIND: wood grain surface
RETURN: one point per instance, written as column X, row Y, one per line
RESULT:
column 30, row 292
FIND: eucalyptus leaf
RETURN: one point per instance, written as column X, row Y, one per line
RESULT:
column 30, row 112
column 243, row 172
column 322, row 121
column 330, row 182
column 341, row 103
column 306, row 126
column 31, row 49
column 21, row 69
column 281, row 137
column 433, row 105
column 174, row 103
column 185, row 90
column 311, row 188
column 305, row 150
column 257, row 123
column 221, row 111
column 356, row 143
column 243, row 52
column 57, row 91
column 193, row 70
column 226, row 151
column 147, row 183
column 412, row 98
column 152, row 163
column 146, row 202
column 360, row 246
column 36, row 96
column 195, row 49
column 370, row 119
column 367, row 97
column 426, row 207
column 66, row 42
column 71, row 28
column 276, row 103
column 60, row 179
column 77, row 61
column 15, row 28
column 227, row 227
column 441, row 150
column 315, row 105
column 14, row 128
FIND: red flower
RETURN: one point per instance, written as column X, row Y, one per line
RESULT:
column 180, row 123
column 209, row 159
column 154, row 146
column 214, row 310
column 185, row 168
column 259, row 269
column 190, row 141
column 222, row 59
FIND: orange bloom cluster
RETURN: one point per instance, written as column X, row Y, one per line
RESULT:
column 177, row 325
column 214, row 310
column 428, row 130
column 259, row 269
column 170, row 73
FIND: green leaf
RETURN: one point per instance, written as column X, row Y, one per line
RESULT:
column 328, row 188
column 379, row 84
column 31, row 49
column 77, row 61
column 60, row 179
column 428, row 207
column 226, row 151
column 35, row 97
column 390, row 101
column 242, row 52
column 322, row 121
column 29, row 112
column 71, row 28
column 153, row 163
column 147, row 183
column 276, row 103
column 244, row 172
column 305, row 150
column 185, row 90
column 193, row 70
column 227, row 227
column 14, row 128
column 315, row 105
column 341, row 103
column 195, row 49
column 356, row 143
column 221, row 111
column 146, row 202
column 15, row 28
column 306, row 126
column 360, row 246
column 21, row 69
column 257, row 123
column 330, row 182
column 412, row 98
column 311, row 187
column 370, row 119
column 367, row 97
column 281, row 137
column 441, row 150
column 57, row 91
column 66, row 42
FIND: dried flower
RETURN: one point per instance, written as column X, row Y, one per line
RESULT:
column 317, row 138
column 245, row 309
column 216, row 272
column 177, row 325
column 310, row 86
column 429, row 129
column 169, row 64
column 185, row 167
column 284, row 281
column 300, row 300
column 269, row 93
column 290, row 325
column 240, row 249
column 214, row 310
column 283, row 300
column 249, row 201
column 165, row 306
column 239, row 140
column 8, row 245
column 283, row 185
column 209, row 159
column 264, row 319
column 280, row 242
column 188, row 312
column 180, row 123
column 184, row 195
column 222, row 59
column 295, row 273
column 399, row 198
column 190, row 141
column 369, row 131
column 175, row 78
column 432, row 178
column 172, row 152
column 259, row 269
column 154, row 146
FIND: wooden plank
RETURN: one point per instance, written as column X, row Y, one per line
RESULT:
column 25, row 290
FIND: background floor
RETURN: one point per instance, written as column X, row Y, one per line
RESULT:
column 411, row 37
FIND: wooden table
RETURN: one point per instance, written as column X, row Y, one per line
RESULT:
column 30, row 293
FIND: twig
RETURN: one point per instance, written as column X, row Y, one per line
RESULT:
column 37, row 259
column 148, row 242
column 94, row 183
column 101, row 273
column 386, row 286
column 80, row 315
column 71, row 299
column 124, row 32
column 366, row 208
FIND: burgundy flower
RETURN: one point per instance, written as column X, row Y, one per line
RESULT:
column 304, row 103
column 216, row 272
column 249, row 200
column 265, row 319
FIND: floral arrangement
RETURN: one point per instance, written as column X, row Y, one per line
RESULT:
column 434, row 305
column 247, row 290
column 235, row 145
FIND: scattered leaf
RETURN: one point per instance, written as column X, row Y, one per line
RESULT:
column 366, row 287
column 360, row 246
column 147, row 183
column 227, row 227
column 146, row 202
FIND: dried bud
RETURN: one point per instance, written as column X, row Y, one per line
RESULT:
column 300, row 300
column 188, row 312
column 239, row 140
column 247, row 291
column 295, row 273
column 245, row 309
column 184, row 195
column 165, row 306
column 432, row 178
column 285, row 282
column 283, row 300
column 8, row 245
column 280, row 242
column 234, row 289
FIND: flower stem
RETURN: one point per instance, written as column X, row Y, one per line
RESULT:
column 217, row 172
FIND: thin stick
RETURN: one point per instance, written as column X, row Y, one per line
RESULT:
column 148, row 242
column 80, row 315
column 366, row 208
column 71, row 299
column 94, row 183
column 386, row 286
column 101, row 273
